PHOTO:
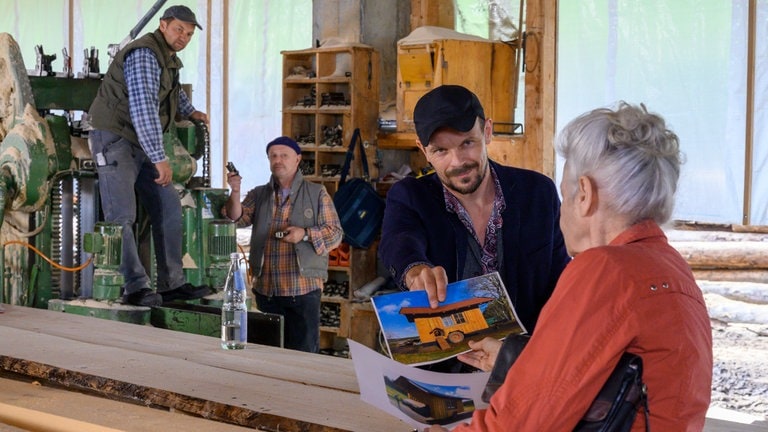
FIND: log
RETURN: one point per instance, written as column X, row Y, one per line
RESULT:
column 704, row 226
column 730, row 275
column 724, row 255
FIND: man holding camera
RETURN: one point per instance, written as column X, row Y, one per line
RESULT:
column 295, row 226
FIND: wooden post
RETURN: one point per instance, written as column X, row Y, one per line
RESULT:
column 438, row 13
column 540, row 84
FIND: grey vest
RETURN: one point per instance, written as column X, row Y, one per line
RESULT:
column 305, row 202
column 110, row 111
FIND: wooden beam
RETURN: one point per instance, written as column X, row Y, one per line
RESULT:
column 540, row 77
column 33, row 420
column 438, row 13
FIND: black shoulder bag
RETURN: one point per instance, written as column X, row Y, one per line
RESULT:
column 616, row 405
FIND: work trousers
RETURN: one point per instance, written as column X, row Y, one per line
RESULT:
column 125, row 173
column 301, row 318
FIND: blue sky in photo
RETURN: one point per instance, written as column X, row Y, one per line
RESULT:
column 446, row 390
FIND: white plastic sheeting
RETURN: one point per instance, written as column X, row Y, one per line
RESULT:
column 234, row 59
column 686, row 60
column 257, row 34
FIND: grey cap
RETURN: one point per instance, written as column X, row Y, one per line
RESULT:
column 181, row 13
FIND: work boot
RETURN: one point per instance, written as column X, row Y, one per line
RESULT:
column 143, row 297
column 186, row 292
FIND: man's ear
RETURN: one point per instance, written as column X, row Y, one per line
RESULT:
column 587, row 196
column 422, row 148
column 488, row 130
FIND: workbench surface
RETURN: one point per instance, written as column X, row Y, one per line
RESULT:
column 261, row 387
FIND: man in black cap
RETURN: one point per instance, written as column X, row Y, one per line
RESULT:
column 138, row 99
column 471, row 216
column 295, row 225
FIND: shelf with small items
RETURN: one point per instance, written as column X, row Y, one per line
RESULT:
column 327, row 94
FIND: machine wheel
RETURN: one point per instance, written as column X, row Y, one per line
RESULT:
column 15, row 91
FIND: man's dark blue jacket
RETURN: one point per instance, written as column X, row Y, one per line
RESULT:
column 418, row 228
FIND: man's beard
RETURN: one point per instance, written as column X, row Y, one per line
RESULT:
column 474, row 182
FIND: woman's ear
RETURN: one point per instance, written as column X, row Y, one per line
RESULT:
column 587, row 196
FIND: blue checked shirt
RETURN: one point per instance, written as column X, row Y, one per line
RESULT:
column 142, row 77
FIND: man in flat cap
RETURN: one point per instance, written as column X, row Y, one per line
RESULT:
column 295, row 226
column 138, row 99
column 472, row 216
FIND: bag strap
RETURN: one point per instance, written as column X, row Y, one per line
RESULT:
column 626, row 380
column 646, row 411
column 351, row 156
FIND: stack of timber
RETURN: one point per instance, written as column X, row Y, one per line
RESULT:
column 729, row 253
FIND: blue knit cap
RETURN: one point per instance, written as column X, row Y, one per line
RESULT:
column 284, row 140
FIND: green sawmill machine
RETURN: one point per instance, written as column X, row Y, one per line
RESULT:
column 56, row 251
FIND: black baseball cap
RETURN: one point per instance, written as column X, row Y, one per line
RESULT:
column 450, row 106
column 181, row 13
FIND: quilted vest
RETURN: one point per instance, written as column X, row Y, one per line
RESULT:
column 110, row 111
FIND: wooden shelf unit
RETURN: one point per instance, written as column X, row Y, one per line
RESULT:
column 324, row 90
column 327, row 93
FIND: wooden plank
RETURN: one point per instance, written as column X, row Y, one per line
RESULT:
column 38, row 420
column 97, row 410
column 260, row 387
column 257, row 387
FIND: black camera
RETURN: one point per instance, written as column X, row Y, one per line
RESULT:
column 231, row 168
column 281, row 234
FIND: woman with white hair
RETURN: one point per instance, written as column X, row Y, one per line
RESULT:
column 626, row 289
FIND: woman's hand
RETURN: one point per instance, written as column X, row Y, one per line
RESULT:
column 483, row 354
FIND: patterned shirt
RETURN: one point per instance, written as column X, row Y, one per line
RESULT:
column 489, row 260
column 142, row 77
column 281, row 277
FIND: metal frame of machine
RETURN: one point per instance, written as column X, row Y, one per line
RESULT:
column 51, row 227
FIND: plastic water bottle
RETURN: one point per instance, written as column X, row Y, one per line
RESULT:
column 234, row 310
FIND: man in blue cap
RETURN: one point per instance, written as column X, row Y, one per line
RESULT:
column 295, row 226
column 138, row 99
column 472, row 216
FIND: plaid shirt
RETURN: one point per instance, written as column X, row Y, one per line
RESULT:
column 142, row 77
column 489, row 260
column 281, row 276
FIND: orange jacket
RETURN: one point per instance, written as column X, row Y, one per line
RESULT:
column 636, row 294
